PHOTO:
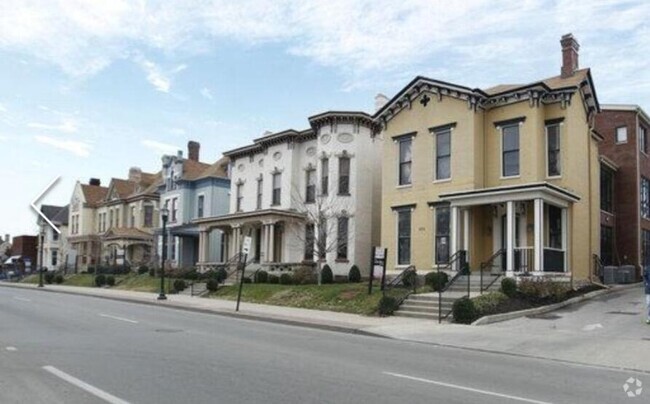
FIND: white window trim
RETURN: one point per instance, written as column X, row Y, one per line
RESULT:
column 501, row 168
column 435, row 156
column 560, row 127
column 399, row 163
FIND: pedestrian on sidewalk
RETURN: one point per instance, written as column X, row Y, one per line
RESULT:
column 646, row 278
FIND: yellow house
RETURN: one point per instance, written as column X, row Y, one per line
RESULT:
column 508, row 174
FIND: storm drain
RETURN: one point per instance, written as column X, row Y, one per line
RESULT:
column 544, row 316
column 624, row 313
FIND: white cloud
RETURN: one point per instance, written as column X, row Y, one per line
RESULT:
column 159, row 147
column 78, row 148
column 371, row 42
column 3, row 108
column 67, row 125
column 178, row 131
column 206, row 93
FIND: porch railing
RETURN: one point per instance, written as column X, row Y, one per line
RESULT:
column 489, row 265
column 524, row 259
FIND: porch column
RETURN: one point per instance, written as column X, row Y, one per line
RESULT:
column 263, row 245
column 205, row 250
column 565, row 237
column 271, row 242
column 539, row 235
column 453, row 242
column 466, row 231
column 510, row 236
column 201, row 245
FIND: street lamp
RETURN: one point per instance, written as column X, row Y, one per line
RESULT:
column 164, row 214
column 40, row 269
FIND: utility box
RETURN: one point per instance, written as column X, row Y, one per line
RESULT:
column 609, row 275
column 625, row 274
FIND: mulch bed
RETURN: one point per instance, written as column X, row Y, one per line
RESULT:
column 523, row 302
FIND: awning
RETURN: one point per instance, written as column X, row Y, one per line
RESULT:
column 13, row 258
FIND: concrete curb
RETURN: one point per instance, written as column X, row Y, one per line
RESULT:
column 495, row 318
column 232, row 314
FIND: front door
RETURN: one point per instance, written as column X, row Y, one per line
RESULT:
column 504, row 242
column 258, row 243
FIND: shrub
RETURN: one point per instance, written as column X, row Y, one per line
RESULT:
column 286, row 279
column 49, row 277
column 543, row 288
column 410, row 279
column 90, row 270
column 143, row 269
column 354, row 275
column 436, row 280
column 304, row 276
column 387, row 305
column 191, row 275
column 212, row 285
column 220, row 275
column 179, row 285
column 110, row 280
column 509, row 287
column 274, row 279
column 58, row 279
column 261, row 277
column 248, row 280
column 464, row 311
column 326, row 275
column 100, row 280
column 488, row 303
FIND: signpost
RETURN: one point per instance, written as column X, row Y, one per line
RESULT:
column 377, row 266
column 245, row 249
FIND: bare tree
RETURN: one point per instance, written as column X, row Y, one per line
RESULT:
column 326, row 228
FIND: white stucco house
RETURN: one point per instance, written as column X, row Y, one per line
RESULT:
column 55, row 245
column 284, row 181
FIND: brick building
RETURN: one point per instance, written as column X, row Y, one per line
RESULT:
column 625, row 185
column 25, row 246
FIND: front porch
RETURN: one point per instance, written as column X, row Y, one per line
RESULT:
column 127, row 246
column 510, row 230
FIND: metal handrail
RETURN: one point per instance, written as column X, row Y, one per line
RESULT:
column 490, row 263
column 399, row 279
column 460, row 255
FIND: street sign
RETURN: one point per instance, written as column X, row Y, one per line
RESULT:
column 377, row 267
column 380, row 253
column 246, row 247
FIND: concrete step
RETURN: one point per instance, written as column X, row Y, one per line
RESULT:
column 415, row 314
column 429, row 298
column 423, row 309
column 428, row 303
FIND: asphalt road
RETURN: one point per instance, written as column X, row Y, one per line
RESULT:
column 57, row 348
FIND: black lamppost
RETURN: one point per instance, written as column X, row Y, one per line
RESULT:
column 164, row 214
column 40, row 269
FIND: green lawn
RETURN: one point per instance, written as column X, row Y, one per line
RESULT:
column 140, row 283
column 348, row 297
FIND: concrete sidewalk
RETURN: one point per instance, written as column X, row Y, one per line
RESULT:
column 588, row 333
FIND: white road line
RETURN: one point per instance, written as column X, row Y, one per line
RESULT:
column 118, row 318
column 455, row 386
column 22, row 299
column 11, row 348
column 84, row 386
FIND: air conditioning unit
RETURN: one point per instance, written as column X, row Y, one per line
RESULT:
column 625, row 274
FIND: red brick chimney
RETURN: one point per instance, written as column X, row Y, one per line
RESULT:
column 570, row 49
column 193, row 150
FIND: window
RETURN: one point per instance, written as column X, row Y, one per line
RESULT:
column 404, row 237
column 174, row 209
column 645, row 248
column 55, row 258
column 645, row 198
column 110, row 218
column 240, row 196
column 442, row 234
column 607, row 245
column 148, row 216
column 55, row 236
column 324, row 176
column 607, row 189
column 643, row 140
column 554, row 227
column 132, row 222
column 510, row 147
column 200, row 206
column 342, row 238
column 621, row 134
column 405, row 157
column 277, row 188
column 443, row 154
column 310, row 191
column 344, row 176
column 553, row 150
column 309, row 242
column 172, row 248
column 260, row 188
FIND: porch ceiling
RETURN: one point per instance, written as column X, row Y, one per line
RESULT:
column 485, row 196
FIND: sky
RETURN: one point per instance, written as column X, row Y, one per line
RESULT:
column 92, row 88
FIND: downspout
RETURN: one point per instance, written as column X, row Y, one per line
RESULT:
column 638, row 192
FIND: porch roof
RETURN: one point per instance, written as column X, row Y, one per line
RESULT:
column 522, row 192
column 127, row 233
column 239, row 218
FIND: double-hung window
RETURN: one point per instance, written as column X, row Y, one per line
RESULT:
column 443, row 154
column 174, row 209
column 442, row 234
column 240, row 196
column 404, row 236
column 260, row 188
column 342, row 238
column 405, row 160
column 621, row 134
column 643, row 139
column 344, row 176
column 310, row 188
column 324, row 176
column 510, row 153
column 553, row 150
column 200, row 206
column 132, row 221
column 277, row 187
column 148, row 216
column 645, row 198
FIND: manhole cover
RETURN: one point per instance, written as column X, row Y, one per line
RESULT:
column 168, row 330
column 625, row 313
column 545, row 316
